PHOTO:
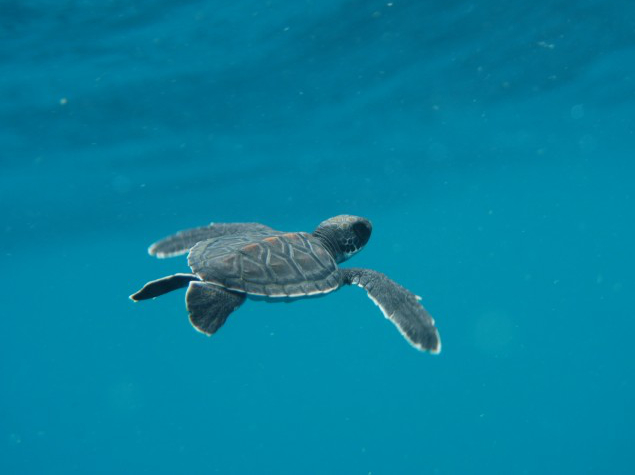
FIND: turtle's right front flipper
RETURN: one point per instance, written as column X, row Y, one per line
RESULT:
column 183, row 241
column 398, row 305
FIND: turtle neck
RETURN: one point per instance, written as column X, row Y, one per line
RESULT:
column 326, row 236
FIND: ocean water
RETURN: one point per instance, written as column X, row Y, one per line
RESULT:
column 491, row 144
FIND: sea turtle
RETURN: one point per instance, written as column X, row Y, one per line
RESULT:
column 233, row 261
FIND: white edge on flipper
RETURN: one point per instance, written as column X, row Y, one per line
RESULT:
column 198, row 329
column 163, row 255
column 433, row 351
column 189, row 317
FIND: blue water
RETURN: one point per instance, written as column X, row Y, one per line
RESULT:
column 490, row 143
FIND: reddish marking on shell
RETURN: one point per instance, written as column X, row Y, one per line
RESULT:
column 291, row 236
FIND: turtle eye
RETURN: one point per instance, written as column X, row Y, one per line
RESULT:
column 362, row 232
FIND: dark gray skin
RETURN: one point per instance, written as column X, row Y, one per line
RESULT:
column 234, row 261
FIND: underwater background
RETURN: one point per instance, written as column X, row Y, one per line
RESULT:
column 490, row 143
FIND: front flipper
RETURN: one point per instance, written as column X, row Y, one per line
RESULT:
column 398, row 305
column 183, row 241
column 210, row 305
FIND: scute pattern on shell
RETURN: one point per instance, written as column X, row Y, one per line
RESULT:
column 272, row 264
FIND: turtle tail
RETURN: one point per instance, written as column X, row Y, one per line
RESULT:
column 162, row 286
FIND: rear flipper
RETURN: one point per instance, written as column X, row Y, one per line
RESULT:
column 163, row 286
column 210, row 305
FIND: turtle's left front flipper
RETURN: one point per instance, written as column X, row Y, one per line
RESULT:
column 398, row 305
column 183, row 241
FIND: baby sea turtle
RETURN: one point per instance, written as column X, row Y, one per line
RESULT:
column 233, row 261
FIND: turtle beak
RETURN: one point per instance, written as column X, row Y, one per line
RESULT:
column 362, row 230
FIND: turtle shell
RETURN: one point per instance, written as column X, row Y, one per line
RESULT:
column 271, row 264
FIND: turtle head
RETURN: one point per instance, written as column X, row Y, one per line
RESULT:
column 344, row 235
